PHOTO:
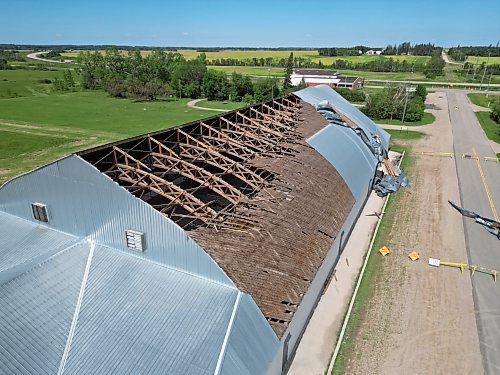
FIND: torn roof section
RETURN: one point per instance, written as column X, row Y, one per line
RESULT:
column 317, row 94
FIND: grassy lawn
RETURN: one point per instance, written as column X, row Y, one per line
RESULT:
column 398, row 76
column 14, row 83
column 369, row 280
column 225, row 105
column 481, row 99
column 35, row 130
column 490, row 127
column 427, row 118
column 97, row 111
column 22, row 149
column 404, row 135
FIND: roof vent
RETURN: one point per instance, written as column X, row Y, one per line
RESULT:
column 40, row 212
column 135, row 240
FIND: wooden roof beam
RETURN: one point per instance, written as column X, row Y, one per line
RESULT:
column 173, row 193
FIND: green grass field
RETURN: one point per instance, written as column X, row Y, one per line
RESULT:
column 226, row 105
column 25, row 82
column 328, row 60
column 490, row 127
column 482, row 100
column 427, row 118
column 404, row 135
column 481, row 59
column 250, row 70
column 35, row 130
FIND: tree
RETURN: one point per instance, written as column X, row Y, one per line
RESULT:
column 266, row 88
column 288, row 72
column 187, row 78
column 240, row 86
column 421, row 91
column 215, row 85
column 68, row 79
column 435, row 66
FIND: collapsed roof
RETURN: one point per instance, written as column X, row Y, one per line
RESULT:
column 248, row 188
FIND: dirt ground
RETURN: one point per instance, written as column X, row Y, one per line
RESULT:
column 420, row 319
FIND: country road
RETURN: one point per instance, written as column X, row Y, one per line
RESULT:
column 34, row 56
column 478, row 183
column 446, row 59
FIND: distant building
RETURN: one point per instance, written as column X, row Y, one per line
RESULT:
column 373, row 52
column 314, row 77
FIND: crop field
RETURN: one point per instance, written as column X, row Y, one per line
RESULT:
column 308, row 54
column 481, row 59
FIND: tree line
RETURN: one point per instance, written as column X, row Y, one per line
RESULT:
column 163, row 73
column 460, row 53
column 406, row 48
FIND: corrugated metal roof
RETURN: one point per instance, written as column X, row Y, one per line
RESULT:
column 316, row 94
column 99, row 213
column 36, row 312
column 350, row 156
column 100, row 310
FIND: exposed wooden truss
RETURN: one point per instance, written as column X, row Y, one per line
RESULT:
column 177, row 196
column 204, row 172
column 167, row 161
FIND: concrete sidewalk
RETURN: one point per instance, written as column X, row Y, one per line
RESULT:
column 318, row 342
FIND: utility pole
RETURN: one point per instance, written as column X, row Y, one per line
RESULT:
column 484, row 72
column 404, row 108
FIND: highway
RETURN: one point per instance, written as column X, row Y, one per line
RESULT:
column 479, row 184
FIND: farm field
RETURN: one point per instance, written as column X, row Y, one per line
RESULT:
column 278, row 54
column 481, row 59
column 250, row 70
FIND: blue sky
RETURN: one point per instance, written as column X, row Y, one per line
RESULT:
column 254, row 23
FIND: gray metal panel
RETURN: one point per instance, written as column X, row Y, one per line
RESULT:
column 252, row 343
column 36, row 312
column 84, row 202
column 23, row 242
column 139, row 317
column 349, row 155
column 316, row 94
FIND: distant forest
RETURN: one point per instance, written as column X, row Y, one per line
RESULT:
column 461, row 53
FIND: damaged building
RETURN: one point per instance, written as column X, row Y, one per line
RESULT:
column 200, row 249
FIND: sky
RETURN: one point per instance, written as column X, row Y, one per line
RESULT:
column 257, row 23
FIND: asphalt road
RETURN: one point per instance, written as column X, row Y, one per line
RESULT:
column 479, row 183
column 34, row 56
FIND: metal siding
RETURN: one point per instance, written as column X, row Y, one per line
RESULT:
column 36, row 312
column 252, row 345
column 308, row 303
column 316, row 94
column 84, row 202
column 348, row 155
column 139, row 317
